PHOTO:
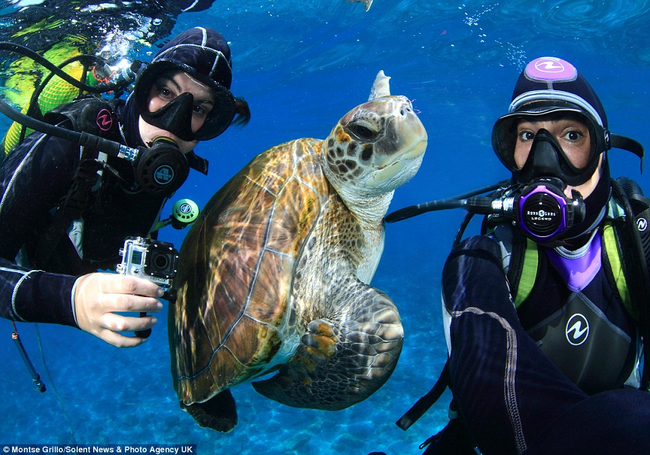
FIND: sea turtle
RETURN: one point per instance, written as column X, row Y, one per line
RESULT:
column 273, row 275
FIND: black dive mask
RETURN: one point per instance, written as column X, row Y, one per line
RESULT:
column 176, row 116
column 547, row 159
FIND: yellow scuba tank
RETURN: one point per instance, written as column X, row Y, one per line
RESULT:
column 55, row 93
column 26, row 79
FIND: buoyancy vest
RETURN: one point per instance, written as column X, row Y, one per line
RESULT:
column 625, row 259
column 626, row 262
column 92, row 114
column 93, row 195
column 583, row 328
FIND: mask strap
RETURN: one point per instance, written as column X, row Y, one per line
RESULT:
column 625, row 143
column 197, row 162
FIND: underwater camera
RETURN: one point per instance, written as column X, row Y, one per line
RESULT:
column 152, row 260
column 149, row 259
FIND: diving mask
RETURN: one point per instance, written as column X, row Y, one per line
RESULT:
column 546, row 157
column 176, row 116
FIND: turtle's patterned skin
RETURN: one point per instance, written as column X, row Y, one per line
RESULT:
column 274, row 274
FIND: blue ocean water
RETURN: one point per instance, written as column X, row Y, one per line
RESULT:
column 302, row 64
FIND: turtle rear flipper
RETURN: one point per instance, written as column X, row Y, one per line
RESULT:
column 218, row 413
column 341, row 362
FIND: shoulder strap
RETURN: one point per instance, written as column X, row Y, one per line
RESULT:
column 526, row 263
column 520, row 257
column 93, row 115
column 634, row 238
column 424, row 403
column 611, row 248
column 75, row 202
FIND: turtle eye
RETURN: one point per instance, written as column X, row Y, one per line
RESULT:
column 363, row 130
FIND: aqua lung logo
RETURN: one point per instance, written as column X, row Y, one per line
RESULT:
column 540, row 215
column 549, row 66
column 577, row 330
column 164, row 174
column 551, row 69
column 642, row 224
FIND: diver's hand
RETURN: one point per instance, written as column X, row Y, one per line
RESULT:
column 98, row 296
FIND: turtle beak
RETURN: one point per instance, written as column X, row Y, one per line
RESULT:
column 407, row 161
column 399, row 154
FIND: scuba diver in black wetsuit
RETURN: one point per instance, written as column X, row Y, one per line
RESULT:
column 66, row 210
column 114, row 31
column 547, row 313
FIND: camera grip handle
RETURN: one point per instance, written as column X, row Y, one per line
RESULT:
column 170, row 296
column 143, row 333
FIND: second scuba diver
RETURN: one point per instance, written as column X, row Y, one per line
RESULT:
column 546, row 313
column 66, row 210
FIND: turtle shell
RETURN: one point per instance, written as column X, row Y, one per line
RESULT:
column 234, row 317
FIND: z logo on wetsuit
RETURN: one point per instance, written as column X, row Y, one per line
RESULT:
column 577, row 329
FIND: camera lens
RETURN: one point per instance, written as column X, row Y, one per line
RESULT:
column 160, row 264
column 161, row 261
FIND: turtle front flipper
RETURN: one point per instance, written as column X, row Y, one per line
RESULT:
column 342, row 360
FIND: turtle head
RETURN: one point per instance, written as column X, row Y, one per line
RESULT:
column 376, row 147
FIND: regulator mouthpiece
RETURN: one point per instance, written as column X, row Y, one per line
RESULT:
column 162, row 168
column 541, row 209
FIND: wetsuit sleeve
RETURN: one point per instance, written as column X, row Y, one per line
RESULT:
column 506, row 389
column 35, row 296
column 33, row 178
